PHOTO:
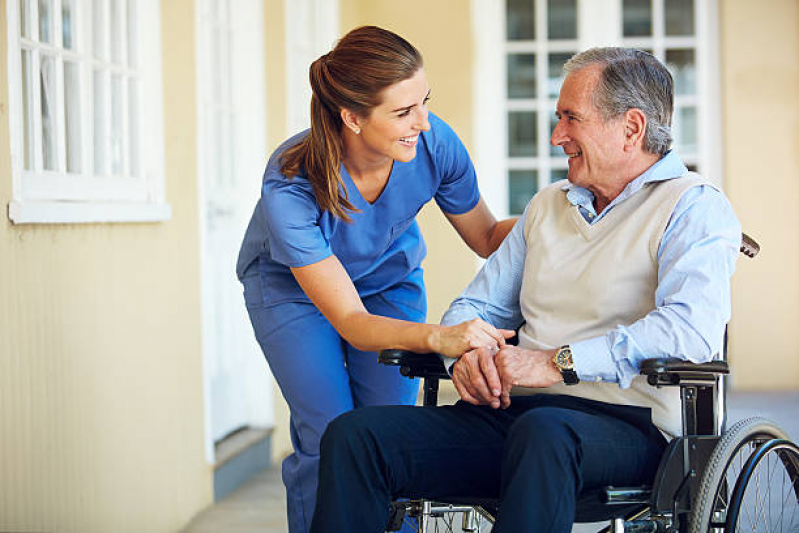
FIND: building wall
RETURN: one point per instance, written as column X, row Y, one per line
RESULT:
column 760, row 98
column 101, row 403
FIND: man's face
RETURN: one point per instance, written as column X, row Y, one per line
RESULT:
column 595, row 147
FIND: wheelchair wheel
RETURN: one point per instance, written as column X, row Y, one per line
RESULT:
column 424, row 516
column 766, row 496
column 727, row 469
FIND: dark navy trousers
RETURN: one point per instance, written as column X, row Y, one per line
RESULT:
column 538, row 456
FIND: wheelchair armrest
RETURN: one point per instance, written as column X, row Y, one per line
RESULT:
column 673, row 371
column 414, row 365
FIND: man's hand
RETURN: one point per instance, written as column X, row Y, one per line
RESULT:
column 525, row 368
column 476, row 378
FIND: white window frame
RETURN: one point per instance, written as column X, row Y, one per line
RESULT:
column 491, row 102
column 58, row 196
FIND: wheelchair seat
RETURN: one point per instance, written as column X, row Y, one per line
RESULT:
column 709, row 479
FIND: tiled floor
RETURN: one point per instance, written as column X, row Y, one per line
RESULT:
column 259, row 506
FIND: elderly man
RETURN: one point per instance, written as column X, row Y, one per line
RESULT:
column 629, row 259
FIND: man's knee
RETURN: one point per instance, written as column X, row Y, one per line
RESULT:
column 353, row 432
column 544, row 432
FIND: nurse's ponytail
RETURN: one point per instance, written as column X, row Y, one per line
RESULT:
column 364, row 62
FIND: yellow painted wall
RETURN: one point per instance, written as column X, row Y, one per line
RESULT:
column 101, row 402
column 760, row 99
column 448, row 56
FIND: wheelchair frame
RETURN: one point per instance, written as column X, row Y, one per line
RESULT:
column 691, row 491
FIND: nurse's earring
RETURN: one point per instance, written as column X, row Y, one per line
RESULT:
column 357, row 131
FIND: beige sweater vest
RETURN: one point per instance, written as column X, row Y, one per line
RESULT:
column 581, row 281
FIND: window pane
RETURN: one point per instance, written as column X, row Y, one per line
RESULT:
column 72, row 113
column 681, row 65
column 66, row 23
column 686, row 130
column 522, row 185
column 98, row 28
column 116, row 35
column 520, row 20
column 27, row 112
column 24, row 19
column 562, row 21
column 555, row 80
column 45, row 20
column 133, row 126
column 132, row 43
column 116, row 124
column 521, row 76
column 558, row 174
column 679, row 17
column 637, row 18
column 99, row 123
column 522, row 134
column 47, row 78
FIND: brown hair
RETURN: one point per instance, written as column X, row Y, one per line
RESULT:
column 364, row 62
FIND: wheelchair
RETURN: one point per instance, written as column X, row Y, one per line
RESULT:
column 713, row 478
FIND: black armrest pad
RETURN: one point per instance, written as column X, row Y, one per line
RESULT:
column 412, row 364
column 675, row 365
column 673, row 371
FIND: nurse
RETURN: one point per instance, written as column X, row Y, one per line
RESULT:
column 331, row 260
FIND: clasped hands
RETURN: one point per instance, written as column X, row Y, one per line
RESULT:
column 485, row 375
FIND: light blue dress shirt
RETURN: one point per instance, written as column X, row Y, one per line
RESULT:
column 696, row 258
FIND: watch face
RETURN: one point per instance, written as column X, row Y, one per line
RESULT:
column 563, row 359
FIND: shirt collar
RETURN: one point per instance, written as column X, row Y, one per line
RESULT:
column 667, row 167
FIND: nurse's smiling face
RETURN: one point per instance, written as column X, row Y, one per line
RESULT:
column 392, row 128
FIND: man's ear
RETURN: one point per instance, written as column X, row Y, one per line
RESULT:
column 634, row 128
column 351, row 120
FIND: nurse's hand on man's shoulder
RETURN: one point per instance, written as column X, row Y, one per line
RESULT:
column 454, row 341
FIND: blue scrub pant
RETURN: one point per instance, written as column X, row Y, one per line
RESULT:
column 321, row 376
column 537, row 455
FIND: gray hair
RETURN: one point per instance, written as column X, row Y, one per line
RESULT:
column 632, row 79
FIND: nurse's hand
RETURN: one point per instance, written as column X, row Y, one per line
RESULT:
column 454, row 341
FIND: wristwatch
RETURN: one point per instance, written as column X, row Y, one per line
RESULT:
column 563, row 360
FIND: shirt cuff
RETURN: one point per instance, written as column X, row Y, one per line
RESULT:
column 449, row 362
column 593, row 361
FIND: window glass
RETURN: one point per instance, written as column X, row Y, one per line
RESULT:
column 131, row 33
column 116, row 34
column 27, row 118
column 133, row 127
column 558, row 174
column 521, row 76
column 24, row 19
column 47, row 96
column 98, row 28
column 637, row 18
column 555, row 78
column 99, row 123
column 522, row 134
column 679, row 17
column 116, row 125
column 681, row 65
column 522, row 185
column 73, row 116
column 520, row 20
column 685, row 122
column 45, row 20
column 562, row 19
column 66, row 23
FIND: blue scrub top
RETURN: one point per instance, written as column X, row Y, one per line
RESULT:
column 382, row 245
